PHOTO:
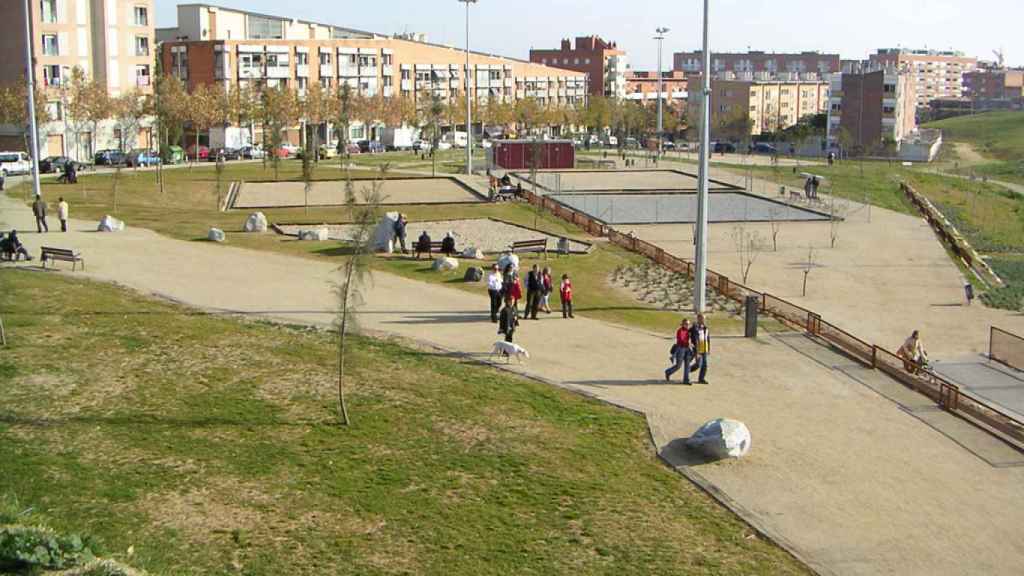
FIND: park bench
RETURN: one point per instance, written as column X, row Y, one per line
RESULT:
column 64, row 254
column 435, row 247
column 539, row 245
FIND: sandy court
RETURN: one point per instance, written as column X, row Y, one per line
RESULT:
column 682, row 208
column 332, row 193
column 616, row 180
column 842, row 475
column 490, row 236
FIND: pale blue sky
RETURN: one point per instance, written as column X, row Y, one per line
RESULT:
column 854, row 28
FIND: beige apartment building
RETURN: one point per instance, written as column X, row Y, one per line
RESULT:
column 109, row 40
column 935, row 73
column 756, row 62
column 770, row 105
column 231, row 47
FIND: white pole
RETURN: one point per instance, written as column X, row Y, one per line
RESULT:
column 701, row 257
column 660, row 38
column 30, row 73
column 469, row 104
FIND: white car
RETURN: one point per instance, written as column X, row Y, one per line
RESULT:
column 15, row 163
column 485, row 143
column 613, row 141
column 442, row 145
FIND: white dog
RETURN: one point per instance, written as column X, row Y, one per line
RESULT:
column 509, row 349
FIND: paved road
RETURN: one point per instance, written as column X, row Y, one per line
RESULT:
column 844, row 476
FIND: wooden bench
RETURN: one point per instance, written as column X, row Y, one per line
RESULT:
column 64, row 254
column 539, row 245
column 435, row 248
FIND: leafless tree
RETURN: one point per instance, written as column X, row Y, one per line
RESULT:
column 749, row 246
column 775, row 225
column 807, row 266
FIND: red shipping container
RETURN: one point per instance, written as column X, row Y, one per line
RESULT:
column 549, row 154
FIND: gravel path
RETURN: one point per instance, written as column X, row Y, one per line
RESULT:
column 332, row 193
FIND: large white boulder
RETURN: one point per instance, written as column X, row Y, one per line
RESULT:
column 472, row 253
column 216, row 235
column 110, row 224
column 721, row 438
column 384, row 234
column 507, row 259
column 256, row 222
column 315, row 234
column 445, row 264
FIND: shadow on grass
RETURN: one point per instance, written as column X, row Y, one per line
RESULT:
column 155, row 420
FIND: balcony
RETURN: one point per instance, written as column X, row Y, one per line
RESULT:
column 278, row 72
column 142, row 81
column 250, row 72
column 387, row 71
column 406, row 85
column 302, row 70
column 348, row 72
column 327, row 71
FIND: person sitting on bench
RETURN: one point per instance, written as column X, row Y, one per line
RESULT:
column 423, row 244
column 448, row 244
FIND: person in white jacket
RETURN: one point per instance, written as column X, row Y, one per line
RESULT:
column 62, row 213
column 494, row 285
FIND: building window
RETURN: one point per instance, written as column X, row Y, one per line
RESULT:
column 889, row 89
column 367, row 61
column 576, row 62
column 265, row 28
column 325, row 58
column 387, row 81
column 55, row 111
column 406, row 74
column 179, row 64
column 50, row 47
column 387, row 59
column 142, row 45
column 325, row 82
column 142, row 75
column 48, row 11
column 544, row 61
column 586, row 60
column 888, row 109
column 301, row 59
column 301, row 83
column 141, row 16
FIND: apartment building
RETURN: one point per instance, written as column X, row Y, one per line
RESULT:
column 642, row 86
column 994, row 84
column 232, row 47
column 770, row 105
column 605, row 65
column 871, row 105
column 111, row 41
column 764, row 65
column 936, row 73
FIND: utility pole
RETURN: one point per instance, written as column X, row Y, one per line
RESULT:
column 701, row 257
column 469, row 103
column 29, row 74
column 660, row 38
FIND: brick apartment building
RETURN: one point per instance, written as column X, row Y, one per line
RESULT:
column 757, row 64
column 642, row 86
column 232, row 47
column 603, row 62
column 770, row 105
column 873, row 105
column 936, row 73
column 994, row 84
column 111, row 41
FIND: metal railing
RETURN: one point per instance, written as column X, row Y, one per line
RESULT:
column 1003, row 346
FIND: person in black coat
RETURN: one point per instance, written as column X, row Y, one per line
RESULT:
column 534, row 289
column 508, row 319
column 448, row 244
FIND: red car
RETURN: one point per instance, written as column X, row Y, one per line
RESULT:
column 204, row 152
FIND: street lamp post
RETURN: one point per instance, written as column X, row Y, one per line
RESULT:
column 469, row 103
column 660, row 38
column 701, row 240
column 30, row 73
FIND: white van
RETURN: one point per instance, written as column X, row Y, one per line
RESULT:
column 15, row 163
column 456, row 139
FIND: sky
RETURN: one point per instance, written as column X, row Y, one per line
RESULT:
column 854, row 28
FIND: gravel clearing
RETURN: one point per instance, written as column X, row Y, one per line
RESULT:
column 490, row 236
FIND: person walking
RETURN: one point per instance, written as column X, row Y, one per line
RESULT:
column 400, row 226
column 682, row 353
column 39, row 209
column 514, row 290
column 565, row 292
column 534, row 286
column 494, row 284
column 508, row 319
column 62, row 214
column 700, row 341
column 545, row 290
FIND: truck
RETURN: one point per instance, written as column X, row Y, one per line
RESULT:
column 399, row 138
column 15, row 163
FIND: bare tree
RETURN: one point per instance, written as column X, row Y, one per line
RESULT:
column 807, row 266
column 749, row 246
column 836, row 213
column 355, row 272
column 775, row 225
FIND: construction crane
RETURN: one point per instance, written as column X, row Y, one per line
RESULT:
column 1000, row 57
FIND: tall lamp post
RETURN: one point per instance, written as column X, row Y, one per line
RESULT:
column 469, row 103
column 701, row 241
column 660, row 38
column 30, row 73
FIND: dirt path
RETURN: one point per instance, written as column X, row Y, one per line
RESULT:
column 843, row 476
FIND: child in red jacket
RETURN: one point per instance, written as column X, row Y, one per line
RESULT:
column 565, row 291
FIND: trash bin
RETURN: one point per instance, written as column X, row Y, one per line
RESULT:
column 750, row 307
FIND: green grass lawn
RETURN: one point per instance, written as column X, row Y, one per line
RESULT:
column 187, row 209
column 209, row 445
column 999, row 136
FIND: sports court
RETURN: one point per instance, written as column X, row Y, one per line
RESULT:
column 562, row 181
column 681, row 208
column 332, row 193
column 988, row 380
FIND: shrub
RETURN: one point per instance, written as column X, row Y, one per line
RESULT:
column 23, row 548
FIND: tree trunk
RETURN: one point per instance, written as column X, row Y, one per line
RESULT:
column 806, row 272
column 342, row 406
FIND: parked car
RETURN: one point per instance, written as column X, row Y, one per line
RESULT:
column 668, row 145
column 287, row 150
column 442, row 145
column 613, row 141
column 15, row 163
column 52, row 164
column 251, row 152
column 109, row 157
column 352, row 148
column 203, row 152
column 724, row 147
column 142, row 157
column 421, row 145
column 631, row 144
column 764, row 148
column 328, row 152
column 225, row 153
column 370, row 147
